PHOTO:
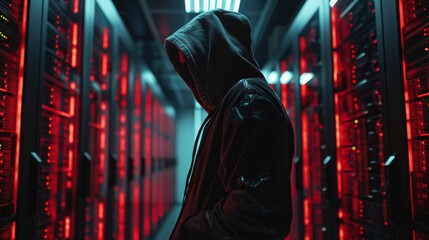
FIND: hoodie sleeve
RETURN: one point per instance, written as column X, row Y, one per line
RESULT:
column 255, row 166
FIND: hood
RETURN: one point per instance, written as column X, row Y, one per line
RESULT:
column 211, row 53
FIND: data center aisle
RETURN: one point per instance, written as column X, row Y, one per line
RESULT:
column 167, row 226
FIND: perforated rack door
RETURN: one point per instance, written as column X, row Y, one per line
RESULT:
column 363, row 208
column 135, row 172
column 12, row 49
column 415, row 39
column 148, row 162
column 121, row 150
column 312, row 126
column 94, row 226
column 59, row 121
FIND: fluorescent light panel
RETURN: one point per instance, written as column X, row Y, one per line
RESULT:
column 206, row 5
column 197, row 6
column 273, row 77
column 286, row 77
column 188, row 6
column 305, row 78
column 332, row 3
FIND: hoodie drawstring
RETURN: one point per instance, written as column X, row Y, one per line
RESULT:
column 191, row 168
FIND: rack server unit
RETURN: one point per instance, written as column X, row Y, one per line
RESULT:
column 119, row 147
column 360, row 116
column 305, row 90
column 147, row 163
column 312, row 126
column 414, row 18
column 49, row 178
column 12, row 46
column 136, row 169
column 94, row 164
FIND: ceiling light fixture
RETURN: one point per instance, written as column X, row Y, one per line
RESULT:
column 273, row 77
column 286, row 77
column 197, row 6
column 332, row 3
column 305, row 78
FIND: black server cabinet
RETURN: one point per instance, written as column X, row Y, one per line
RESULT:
column 51, row 104
column 147, row 204
column 119, row 143
column 97, row 75
column 414, row 32
column 136, row 169
column 363, row 208
column 13, row 15
column 371, row 154
column 306, row 91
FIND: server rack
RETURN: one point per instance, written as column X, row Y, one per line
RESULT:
column 414, row 31
column 288, row 85
column 52, row 127
column 364, row 206
column 135, row 217
column 306, row 91
column 148, row 163
column 72, row 172
column 13, row 16
column 92, row 196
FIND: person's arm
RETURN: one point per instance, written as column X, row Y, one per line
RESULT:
column 255, row 167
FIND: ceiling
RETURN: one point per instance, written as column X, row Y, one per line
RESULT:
column 151, row 21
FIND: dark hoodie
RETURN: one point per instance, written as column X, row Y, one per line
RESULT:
column 240, row 187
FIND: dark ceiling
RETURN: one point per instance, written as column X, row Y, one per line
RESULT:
column 151, row 21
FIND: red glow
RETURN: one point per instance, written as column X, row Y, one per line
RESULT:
column 306, row 212
column 146, row 207
column 337, row 143
column 19, row 106
column 70, row 167
column 67, row 227
column 336, row 67
column 104, row 64
column 100, row 231
column 121, row 227
column 341, row 232
column 283, row 66
column 13, row 230
column 334, row 27
column 407, row 109
column 340, row 213
column 105, row 42
column 305, row 150
column 136, row 211
column 74, row 44
column 101, row 210
column 124, row 81
column 76, row 7
column 124, row 66
column 71, row 128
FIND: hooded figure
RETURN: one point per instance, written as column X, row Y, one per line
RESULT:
column 240, row 186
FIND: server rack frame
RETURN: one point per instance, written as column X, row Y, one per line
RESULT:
column 394, row 127
column 30, row 161
column 290, row 40
column 85, row 159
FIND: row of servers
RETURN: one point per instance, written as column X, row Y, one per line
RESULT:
column 86, row 136
column 353, row 76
